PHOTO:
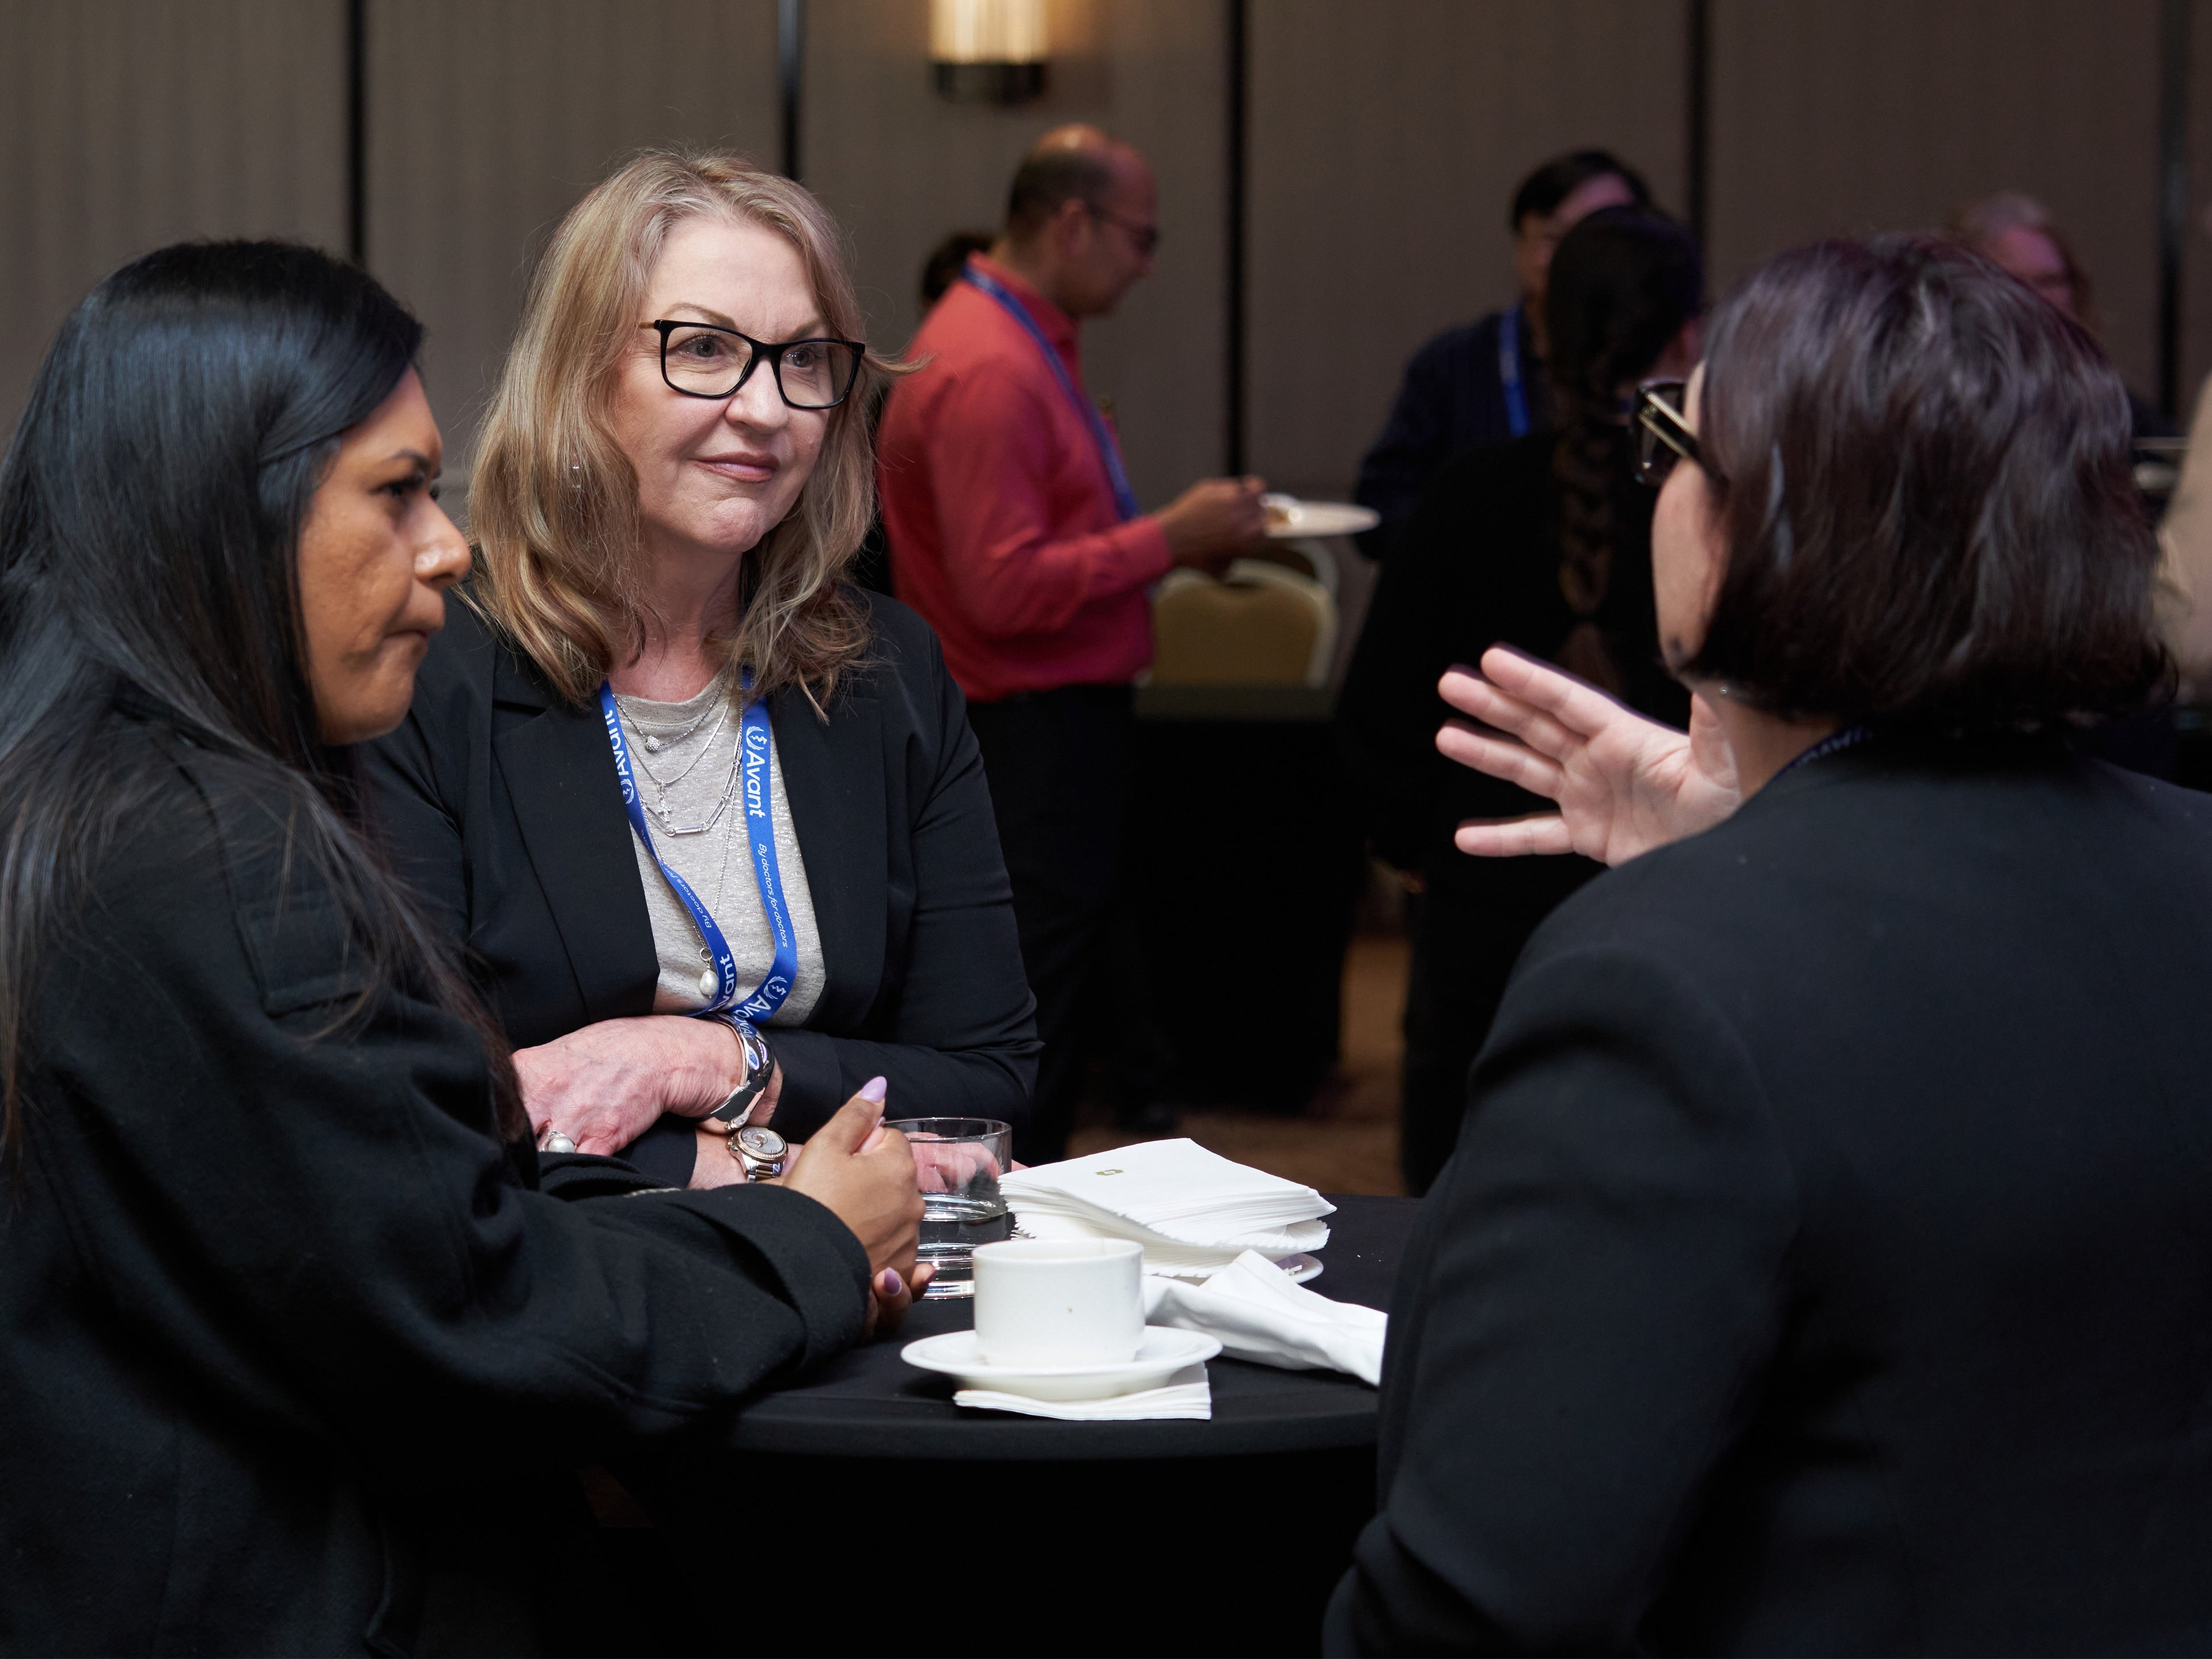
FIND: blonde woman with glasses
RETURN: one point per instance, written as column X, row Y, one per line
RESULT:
column 710, row 819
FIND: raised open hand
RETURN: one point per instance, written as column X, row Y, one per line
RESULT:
column 1623, row 784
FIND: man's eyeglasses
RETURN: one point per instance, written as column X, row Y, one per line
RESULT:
column 1662, row 432
column 1145, row 238
column 703, row 361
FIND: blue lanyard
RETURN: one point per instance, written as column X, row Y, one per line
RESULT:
column 1508, row 372
column 760, row 830
column 1125, row 498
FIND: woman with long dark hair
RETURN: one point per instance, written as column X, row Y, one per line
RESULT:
column 296, row 1354
column 1826, row 1262
column 1544, row 544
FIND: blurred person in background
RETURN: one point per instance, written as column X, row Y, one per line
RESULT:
column 2016, row 232
column 710, row 819
column 1485, row 383
column 1824, row 1265
column 1544, row 543
column 947, row 260
column 1014, row 532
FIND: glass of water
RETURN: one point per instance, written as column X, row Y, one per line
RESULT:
column 957, row 1161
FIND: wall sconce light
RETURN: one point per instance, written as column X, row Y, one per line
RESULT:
column 989, row 51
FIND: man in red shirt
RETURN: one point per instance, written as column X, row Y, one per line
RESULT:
column 1012, row 530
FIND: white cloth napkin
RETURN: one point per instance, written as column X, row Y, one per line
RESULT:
column 1194, row 1211
column 1187, row 1394
column 1258, row 1313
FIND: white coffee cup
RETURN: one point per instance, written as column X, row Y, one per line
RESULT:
column 1059, row 1301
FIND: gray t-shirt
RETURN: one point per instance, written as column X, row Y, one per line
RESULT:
column 685, row 754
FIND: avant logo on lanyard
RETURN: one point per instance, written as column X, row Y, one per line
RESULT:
column 753, row 743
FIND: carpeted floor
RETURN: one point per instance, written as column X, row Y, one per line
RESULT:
column 1347, row 1141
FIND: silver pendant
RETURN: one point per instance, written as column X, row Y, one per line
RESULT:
column 708, row 982
column 652, row 745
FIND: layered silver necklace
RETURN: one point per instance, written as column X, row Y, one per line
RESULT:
column 651, row 743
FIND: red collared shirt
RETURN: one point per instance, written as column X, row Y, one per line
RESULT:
column 1003, row 529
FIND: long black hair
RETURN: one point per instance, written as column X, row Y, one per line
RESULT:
column 150, row 510
column 1623, row 283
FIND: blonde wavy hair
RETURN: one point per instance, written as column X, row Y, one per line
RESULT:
column 553, row 507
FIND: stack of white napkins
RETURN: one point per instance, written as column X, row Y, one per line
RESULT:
column 1255, row 1311
column 1186, row 1394
column 1194, row 1211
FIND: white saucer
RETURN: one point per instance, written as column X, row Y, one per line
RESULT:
column 1163, row 1351
column 1299, row 518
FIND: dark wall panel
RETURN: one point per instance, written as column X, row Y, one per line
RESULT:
column 1386, row 141
column 1887, row 114
column 487, row 118
column 128, row 123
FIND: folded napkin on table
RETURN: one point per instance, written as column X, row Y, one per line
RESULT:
column 1258, row 1313
column 1194, row 1212
column 1187, row 1394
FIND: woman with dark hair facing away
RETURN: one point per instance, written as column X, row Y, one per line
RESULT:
column 710, row 819
column 297, row 1356
column 1544, row 543
column 1826, row 1263
column 1484, row 382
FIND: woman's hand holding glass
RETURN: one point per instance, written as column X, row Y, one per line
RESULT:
column 1623, row 784
column 606, row 1083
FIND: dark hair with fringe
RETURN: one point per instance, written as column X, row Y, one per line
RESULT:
column 1925, row 491
column 150, row 510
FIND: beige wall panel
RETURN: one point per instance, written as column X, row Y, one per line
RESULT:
column 1887, row 114
column 1386, row 140
column 128, row 123
column 487, row 118
column 901, row 166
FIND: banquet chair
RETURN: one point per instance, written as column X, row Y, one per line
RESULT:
column 1262, row 624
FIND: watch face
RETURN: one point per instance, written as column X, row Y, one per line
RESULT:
column 763, row 1144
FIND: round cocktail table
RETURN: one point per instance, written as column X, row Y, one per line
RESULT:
column 890, row 1520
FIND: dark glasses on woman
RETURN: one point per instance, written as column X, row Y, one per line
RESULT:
column 1662, row 432
column 702, row 360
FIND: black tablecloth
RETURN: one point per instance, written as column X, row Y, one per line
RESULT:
column 870, row 1403
column 862, row 1512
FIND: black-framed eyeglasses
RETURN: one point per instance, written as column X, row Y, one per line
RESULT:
column 701, row 360
column 1145, row 238
column 1662, row 432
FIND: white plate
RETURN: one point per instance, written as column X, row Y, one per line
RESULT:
column 1316, row 517
column 1162, row 1353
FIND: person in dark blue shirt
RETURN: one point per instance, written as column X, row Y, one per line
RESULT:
column 1484, row 383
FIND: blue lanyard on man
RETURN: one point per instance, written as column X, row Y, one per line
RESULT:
column 753, row 739
column 1125, row 498
column 1508, row 372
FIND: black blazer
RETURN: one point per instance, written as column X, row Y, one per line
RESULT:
column 1826, row 1262
column 499, row 802
column 294, row 1355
